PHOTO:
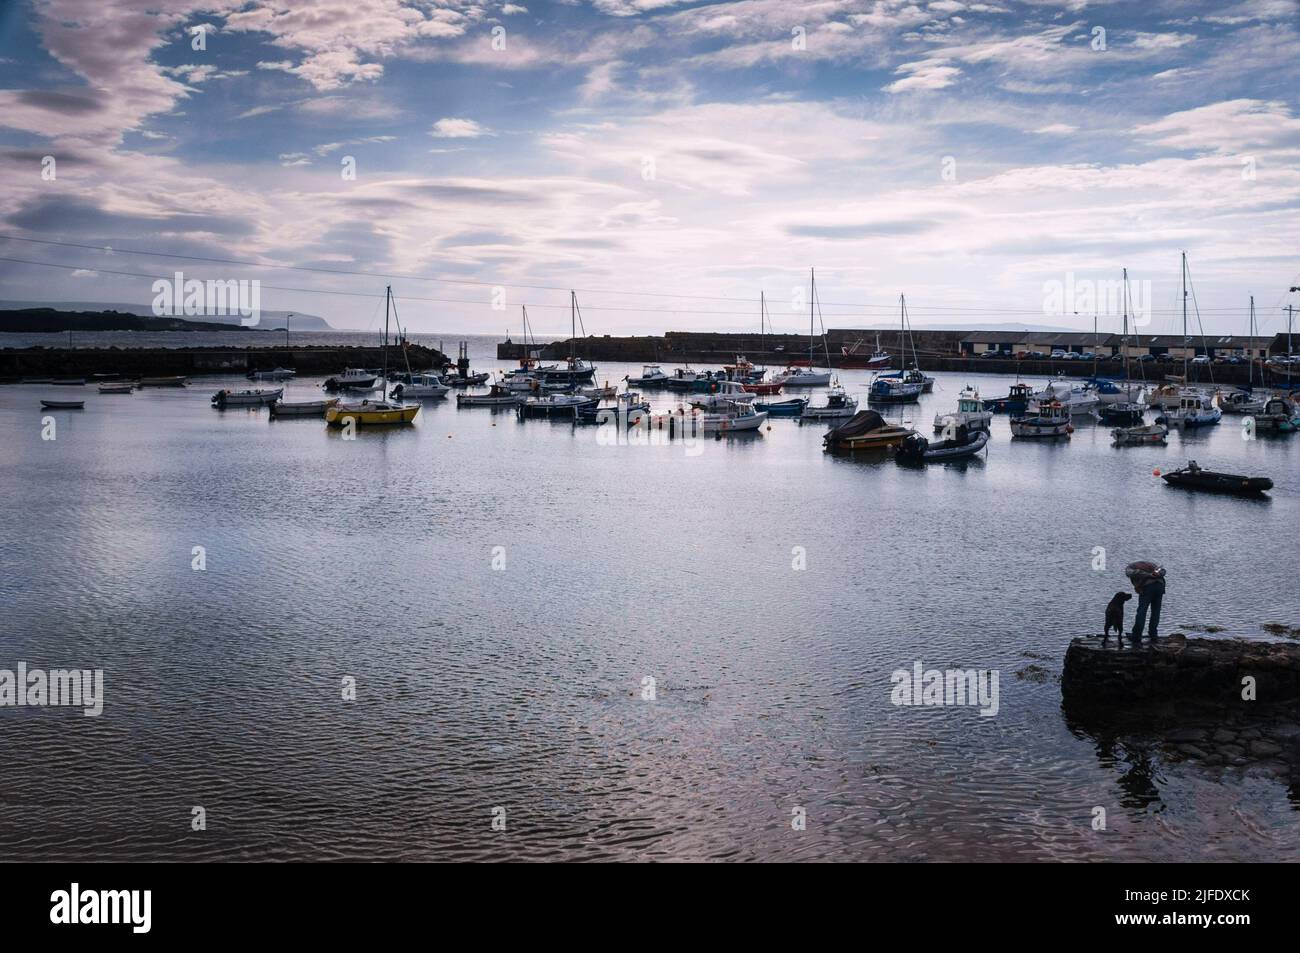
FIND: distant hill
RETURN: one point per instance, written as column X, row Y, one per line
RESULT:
column 270, row 319
column 48, row 320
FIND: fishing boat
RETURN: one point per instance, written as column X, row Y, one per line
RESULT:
column 1122, row 413
column 246, row 398
column 420, row 385
column 370, row 413
column 967, row 443
column 682, row 379
column 63, row 404
column 652, row 375
column 970, row 413
column 763, row 388
column 1239, row 402
column 722, row 393
column 352, row 378
column 554, row 405
column 497, row 396
column 302, row 408
column 793, row 407
column 1278, row 416
column 1049, row 420
column 890, row 389
column 1193, row 410
column 742, row 371
column 838, row 404
column 1135, row 436
column 865, row 430
column 1016, row 400
column 855, row 357
column 163, row 381
column 732, row 418
column 274, row 374
column 373, row 413
column 116, row 388
column 1193, row 477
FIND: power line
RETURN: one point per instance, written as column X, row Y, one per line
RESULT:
column 388, row 276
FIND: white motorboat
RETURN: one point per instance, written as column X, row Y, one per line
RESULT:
column 838, row 404
column 1169, row 396
column 628, row 407
column 246, row 398
column 1117, row 392
column 1050, row 420
column 275, row 374
column 1076, row 398
column 802, row 377
column 421, row 385
column 731, row 419
column 970, row 413
column 1192, row 411
column 722, row 393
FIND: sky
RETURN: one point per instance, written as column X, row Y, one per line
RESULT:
column 671, row 161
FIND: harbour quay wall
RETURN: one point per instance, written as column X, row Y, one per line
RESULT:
column 1178, row 668
column 935, row 351
column 197, row 361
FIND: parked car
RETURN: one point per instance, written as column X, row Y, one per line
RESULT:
column 990, row 354
column 1201, row 359
column 1058, row 355
column 1146, row 358
column 1164, row 358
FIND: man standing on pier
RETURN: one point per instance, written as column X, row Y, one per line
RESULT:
column 1149, row 583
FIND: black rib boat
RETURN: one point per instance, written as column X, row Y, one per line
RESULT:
column 1193, row 477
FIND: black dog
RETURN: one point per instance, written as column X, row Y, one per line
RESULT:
column 1115, row 615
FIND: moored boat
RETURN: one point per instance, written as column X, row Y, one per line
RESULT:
column 1016, row 400
column 796, row 377
column 498, row 396
column 370, row 413
column 116, row 388
column 1050, row 420
column 1193, row 410
column 1239, row 402
column 63, row 404
column 865, row 430
column 1122, row 413
column 792, row 407
column 1135, row 436
column 970, row 413
column 1193, row 477
column 420, row 385
column 890, row 389
column 966, row 443
column 838, row 404
column 1278, row 416
column 163, row 381
column 352, row 378
column 722, row 392
column 554, row 405
column 274, row 374
column 246, row 398
column 302, row 408
column 732, row 418
column 652, row 375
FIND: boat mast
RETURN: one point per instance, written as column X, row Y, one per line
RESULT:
column 1250, row 339
column 1123, row 343
column 1185, row 381
column 388, row 295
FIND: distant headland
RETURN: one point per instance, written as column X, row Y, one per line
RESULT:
column 35, row 317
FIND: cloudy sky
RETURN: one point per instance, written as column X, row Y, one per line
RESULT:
column 669, row 160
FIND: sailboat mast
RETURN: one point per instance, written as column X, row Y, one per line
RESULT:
column 388, row 297
column 1124, row 340
column 1185, row 317
column 1250, row 381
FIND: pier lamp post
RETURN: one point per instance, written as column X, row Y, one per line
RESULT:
column 286, row 328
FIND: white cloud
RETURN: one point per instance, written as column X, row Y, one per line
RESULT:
column 458, row 129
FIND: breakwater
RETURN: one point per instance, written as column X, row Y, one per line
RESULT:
column 935, row 351
column 16, row 363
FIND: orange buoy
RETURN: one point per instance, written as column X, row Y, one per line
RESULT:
column 1155, row 472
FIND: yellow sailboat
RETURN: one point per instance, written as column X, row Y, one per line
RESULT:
column 369, row 413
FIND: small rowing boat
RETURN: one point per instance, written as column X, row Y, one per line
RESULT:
column 302, row 408
column 793, row 407
column 63, row 404
column 1135, row 436
column 163, row 381
column 1193, row 477
column 116, row 388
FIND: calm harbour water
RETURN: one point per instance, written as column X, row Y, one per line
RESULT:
column 520, row 687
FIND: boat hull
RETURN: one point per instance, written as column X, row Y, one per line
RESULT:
column 370, row 416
